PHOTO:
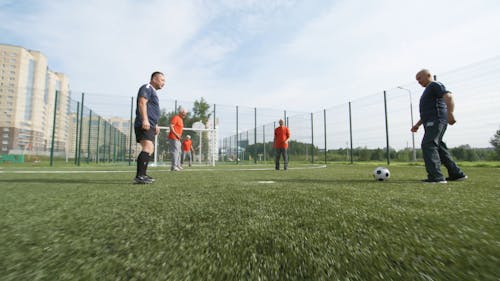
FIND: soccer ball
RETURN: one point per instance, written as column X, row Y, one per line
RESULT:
column 381, row 174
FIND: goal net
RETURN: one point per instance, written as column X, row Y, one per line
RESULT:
column 204, row 145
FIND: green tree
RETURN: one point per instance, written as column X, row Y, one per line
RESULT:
column 495, row 141
column 201, row 111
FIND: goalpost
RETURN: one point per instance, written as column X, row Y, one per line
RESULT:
column 206, row 150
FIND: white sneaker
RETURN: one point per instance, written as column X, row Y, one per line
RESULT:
column 175, row 169
column 180, row 168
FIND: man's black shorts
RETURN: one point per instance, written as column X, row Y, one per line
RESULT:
column 141, row 134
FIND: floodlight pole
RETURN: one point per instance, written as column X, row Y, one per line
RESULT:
column 414, row 152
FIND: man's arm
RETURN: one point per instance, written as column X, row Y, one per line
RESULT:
column 172, row 129
column 450, row 103
column 416, row 126
column 143, row 111
column 287, row 135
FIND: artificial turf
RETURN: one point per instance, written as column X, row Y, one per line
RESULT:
column 241, row 223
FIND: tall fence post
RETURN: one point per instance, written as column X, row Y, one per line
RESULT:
column 130, row 132
column 115, row 142
column 255, row 136
column 324, row 132
column 215, row 142
column 77, row 131
column 312, row 138
column 88, row 139
column 105, row 134
column 388, row 155
column 53, row 130
column 350, row 132
column 97, row 141
column 264, row 141
column 237, row 138
column 81, row 129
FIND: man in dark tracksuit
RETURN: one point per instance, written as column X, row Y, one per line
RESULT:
column 436, row 112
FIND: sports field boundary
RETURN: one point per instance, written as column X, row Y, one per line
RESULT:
column 242, row 168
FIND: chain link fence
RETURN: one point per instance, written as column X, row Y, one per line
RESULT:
column 375, row 127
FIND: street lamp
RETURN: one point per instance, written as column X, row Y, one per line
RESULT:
column 414, row 154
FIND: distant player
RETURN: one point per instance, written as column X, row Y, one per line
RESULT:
column 436, row 112
column 187, row 150
column 174, row 139
column 281, row 138
column 146, row 124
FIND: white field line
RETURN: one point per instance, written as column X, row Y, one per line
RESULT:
column 164, row 170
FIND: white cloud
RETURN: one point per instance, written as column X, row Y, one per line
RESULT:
column 290, row 54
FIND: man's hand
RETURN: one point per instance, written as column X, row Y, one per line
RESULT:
column 451, row 119
column 416, row 126
column 157, row 130
column 145, row 125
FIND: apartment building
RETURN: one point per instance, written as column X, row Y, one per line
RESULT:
column 27, row 99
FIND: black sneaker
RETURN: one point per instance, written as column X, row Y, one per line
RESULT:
column 142, row 180
column 150, row 178
column 434, row 181
column 461, row 177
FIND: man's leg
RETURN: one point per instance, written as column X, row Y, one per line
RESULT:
column 447, row 160
column 173, row 155
column 178, row 153
column 190, row 156
column 285, row 158
column 430, row 147
column 277, row 159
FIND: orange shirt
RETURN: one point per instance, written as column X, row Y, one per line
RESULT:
column 281, row 134
column 186, row 145
column 178, row 125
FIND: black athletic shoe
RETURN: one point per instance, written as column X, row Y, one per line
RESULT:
column 461, row 177
column 434, row 181
column 150, row 178
column 142, row 180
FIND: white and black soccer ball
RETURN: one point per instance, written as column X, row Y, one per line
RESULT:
column 381, row 174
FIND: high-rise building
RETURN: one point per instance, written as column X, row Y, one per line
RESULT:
column 27, row 99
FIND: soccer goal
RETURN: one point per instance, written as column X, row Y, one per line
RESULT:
column 204, row 144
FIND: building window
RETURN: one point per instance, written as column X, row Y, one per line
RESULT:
column 29, row 90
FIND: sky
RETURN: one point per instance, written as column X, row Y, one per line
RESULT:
column 298, row 55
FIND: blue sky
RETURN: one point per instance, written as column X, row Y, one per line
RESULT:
column 298, row 55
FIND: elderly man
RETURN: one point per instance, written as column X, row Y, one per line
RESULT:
column 281, row 138
column 436, row 112
column 187, row 150
column 146, row 124
column 174, row 139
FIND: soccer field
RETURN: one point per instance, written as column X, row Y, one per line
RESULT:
column 248, row 223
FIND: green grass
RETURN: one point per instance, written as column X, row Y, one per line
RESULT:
column 333, row 223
